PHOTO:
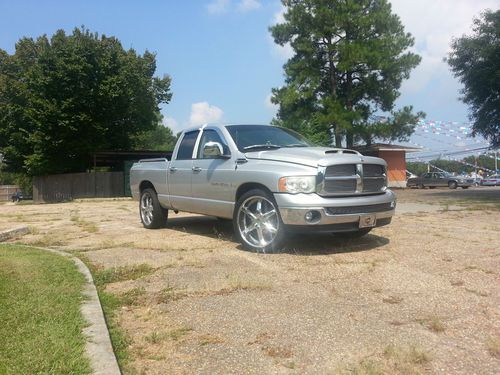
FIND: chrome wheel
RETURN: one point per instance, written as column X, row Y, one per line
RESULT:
column 147, row 209
column 258, row 221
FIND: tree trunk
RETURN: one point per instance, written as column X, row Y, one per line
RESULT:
column 349, row 140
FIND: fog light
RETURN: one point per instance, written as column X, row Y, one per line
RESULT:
column 312, row 217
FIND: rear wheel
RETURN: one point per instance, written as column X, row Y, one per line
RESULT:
column 452, row 184
column 420, row 186
column 465, row 187
column 153, row 215
column 257, row 222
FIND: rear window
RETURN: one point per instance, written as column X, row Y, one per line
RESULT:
column 187, row 145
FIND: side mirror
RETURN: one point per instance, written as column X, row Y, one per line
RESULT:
column 213, row 150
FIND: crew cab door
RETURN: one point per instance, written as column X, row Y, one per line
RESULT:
column 212, row 185
column 180, row 172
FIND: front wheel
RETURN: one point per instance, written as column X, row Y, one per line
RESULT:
column 452, row 184
column 257, row 222
column 153, row 215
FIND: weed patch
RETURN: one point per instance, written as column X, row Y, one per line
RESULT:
column 122, row 273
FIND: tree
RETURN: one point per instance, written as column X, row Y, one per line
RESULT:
column 350, row 57
column 65, row 97
column 160, row 138
column 475, row 61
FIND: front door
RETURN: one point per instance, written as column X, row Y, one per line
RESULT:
column 212, row 188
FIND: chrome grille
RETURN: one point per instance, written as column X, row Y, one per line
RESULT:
column 352, row 179
column 341, row 170
column 341, row 186
column 359, row 209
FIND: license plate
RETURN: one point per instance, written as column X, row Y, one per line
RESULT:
column 367, row 221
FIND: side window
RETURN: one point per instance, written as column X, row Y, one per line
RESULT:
column 187, row 145
column 427, row 175
column 210, row 136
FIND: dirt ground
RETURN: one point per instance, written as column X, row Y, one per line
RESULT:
column 421, row 295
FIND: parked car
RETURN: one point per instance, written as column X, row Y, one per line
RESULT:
column 410, row 175
column 267, row 180
column 437, row 179
column 493, row 180
column 20, row 196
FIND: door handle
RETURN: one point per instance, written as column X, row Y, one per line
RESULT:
column 196, row 169
column 173, row 169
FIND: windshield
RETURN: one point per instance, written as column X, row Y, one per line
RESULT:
column 255, row 137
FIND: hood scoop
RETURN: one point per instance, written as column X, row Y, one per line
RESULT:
column 341, row 151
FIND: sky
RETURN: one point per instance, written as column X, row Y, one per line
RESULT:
column 222, row 59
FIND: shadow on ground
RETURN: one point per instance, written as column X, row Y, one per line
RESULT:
column 303, row 244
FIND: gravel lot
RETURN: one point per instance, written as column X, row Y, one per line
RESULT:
column 419, row 296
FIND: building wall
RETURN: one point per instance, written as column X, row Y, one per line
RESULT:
column 396, row 167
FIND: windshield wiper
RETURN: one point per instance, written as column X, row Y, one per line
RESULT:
column 268, row 146
column 297, row 145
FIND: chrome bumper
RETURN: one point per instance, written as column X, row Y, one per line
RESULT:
column 293, row 209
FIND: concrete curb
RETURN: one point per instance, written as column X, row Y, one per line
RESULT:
column 98, row 346
column 12, row 233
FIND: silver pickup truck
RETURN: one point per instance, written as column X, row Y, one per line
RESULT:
column 267, row 180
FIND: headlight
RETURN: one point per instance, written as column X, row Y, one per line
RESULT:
column 297, row 184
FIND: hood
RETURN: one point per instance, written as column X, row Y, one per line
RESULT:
column 314, row 156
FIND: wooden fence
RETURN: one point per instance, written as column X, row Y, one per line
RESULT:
column 6, row 192
column 64, row 187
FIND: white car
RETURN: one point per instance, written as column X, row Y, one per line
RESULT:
column 493, row 180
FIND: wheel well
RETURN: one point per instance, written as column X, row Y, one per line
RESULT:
column 242, row 189
column 146, row 185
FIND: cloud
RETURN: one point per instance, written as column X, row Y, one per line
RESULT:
column 218, row 6
column 203, row 113
column 270, row 105
column 249, row 5
column 434, row 24
column 171, row 123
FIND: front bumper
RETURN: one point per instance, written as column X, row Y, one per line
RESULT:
column 336, row 214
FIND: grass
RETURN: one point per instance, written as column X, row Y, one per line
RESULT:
column 85, row 225
column 122, row 273
column 493, row 345
column 210, row 339
column 133, row 297
column 156, row 337
column 433, row 323
column 40, row 321
column 393, row 300
column 395, row 360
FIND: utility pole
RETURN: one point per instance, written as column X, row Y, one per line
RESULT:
column 496, row 161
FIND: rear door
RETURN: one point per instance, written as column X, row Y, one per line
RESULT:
column 212, row 188
column 180, row 172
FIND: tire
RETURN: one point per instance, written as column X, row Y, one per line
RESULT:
column 255, row 214
column 452, row 184
column 432, row 187
column 465, row 187
column 153, row 215
column 353, row 235
column 420, row 186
